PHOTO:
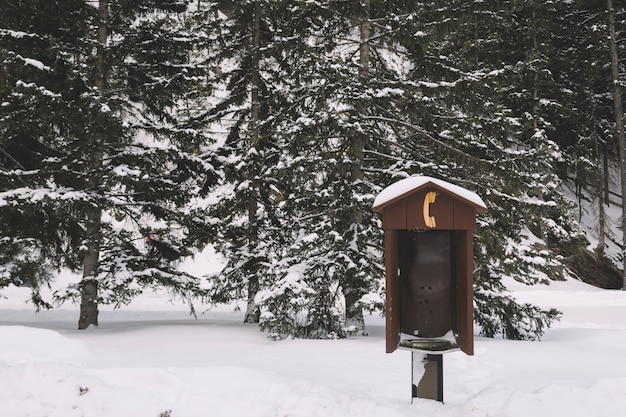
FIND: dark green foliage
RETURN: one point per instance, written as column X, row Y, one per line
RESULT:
column 54, row 120
column 336, row 129
column 289, row 117
column 501, row 315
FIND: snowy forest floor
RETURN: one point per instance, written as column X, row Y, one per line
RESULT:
column 151, row 359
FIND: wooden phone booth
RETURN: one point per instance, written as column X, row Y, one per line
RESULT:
column 428, row 226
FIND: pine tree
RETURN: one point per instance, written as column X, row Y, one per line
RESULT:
column 471, row 134
column 111, row 165
column 616, row 76
column 34, row 36
column 371, row 121
column 586, row 137
column 249, row 55
column 341, row 152
column 314, row 107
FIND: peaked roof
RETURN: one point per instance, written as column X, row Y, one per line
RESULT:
column 407, row 186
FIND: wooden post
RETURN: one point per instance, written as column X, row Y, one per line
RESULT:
column 392, row 296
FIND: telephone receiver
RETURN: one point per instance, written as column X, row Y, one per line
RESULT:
column 429, row 198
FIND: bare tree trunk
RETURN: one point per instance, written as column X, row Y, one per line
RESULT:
column 619, row 120
column 534, row 55
column 599, row 176
column 600, row 200
column 3, row 80
column 364, row 46
column 605, row 161
column 252, row 310
column 89, row 284
column 534, row 95
column 352, row 295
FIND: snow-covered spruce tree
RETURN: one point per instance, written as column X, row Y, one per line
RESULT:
column 249, row 58
column 377, row 109
column 465, row 127
column 258, row 48
column 591, row 146
column 108, row 167
column 381, row 101
column 391, row 90
column 263, row 54
column 341, row 152
column 566, row 105
column 24, row 244
column 593, row 150
column 33, row 237
column 617, row 93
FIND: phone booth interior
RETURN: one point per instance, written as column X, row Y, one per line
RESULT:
column 426, row 283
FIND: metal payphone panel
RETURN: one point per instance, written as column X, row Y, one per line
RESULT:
column 426, row 283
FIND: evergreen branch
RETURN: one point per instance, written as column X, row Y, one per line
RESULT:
column 389, row 48
column 8, row 155
column 5, row 153
column 399, row 17
column 8, row 3
column 395, row 143
column 317, row 215
column 394, row 158
column 427, row 136
column 496, row 165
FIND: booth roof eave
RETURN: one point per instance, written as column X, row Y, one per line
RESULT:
column 405, row 187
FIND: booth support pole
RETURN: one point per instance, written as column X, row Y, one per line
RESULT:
column 427, row 376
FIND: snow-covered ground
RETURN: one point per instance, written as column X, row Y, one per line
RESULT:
column 151, row 359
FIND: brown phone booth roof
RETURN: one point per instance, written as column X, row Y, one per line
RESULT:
column 405, row 187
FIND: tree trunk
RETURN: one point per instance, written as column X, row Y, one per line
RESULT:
column 3, row 80
column 353, row 294
column 619, row 122
column 89, row 283
column 535, row 85
column 605, row 161
column 599, row 177
column 252, row 310
column 534, row 97
column 600, row 248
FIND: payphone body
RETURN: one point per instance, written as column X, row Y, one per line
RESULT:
column 428, row 225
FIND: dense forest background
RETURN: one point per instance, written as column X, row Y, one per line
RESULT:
column 134, row 133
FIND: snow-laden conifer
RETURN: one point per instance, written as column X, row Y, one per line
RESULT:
column 97, row 161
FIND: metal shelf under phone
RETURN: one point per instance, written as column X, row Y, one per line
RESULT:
column 432, row 346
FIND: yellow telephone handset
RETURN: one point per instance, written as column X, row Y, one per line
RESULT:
column 429, row 198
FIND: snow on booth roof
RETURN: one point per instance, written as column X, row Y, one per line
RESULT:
column 407, row 186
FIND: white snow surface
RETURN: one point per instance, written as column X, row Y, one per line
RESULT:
column 151, row 359
column 406, row 185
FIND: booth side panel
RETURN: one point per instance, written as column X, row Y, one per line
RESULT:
column 392, row 296
column 465, row 292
